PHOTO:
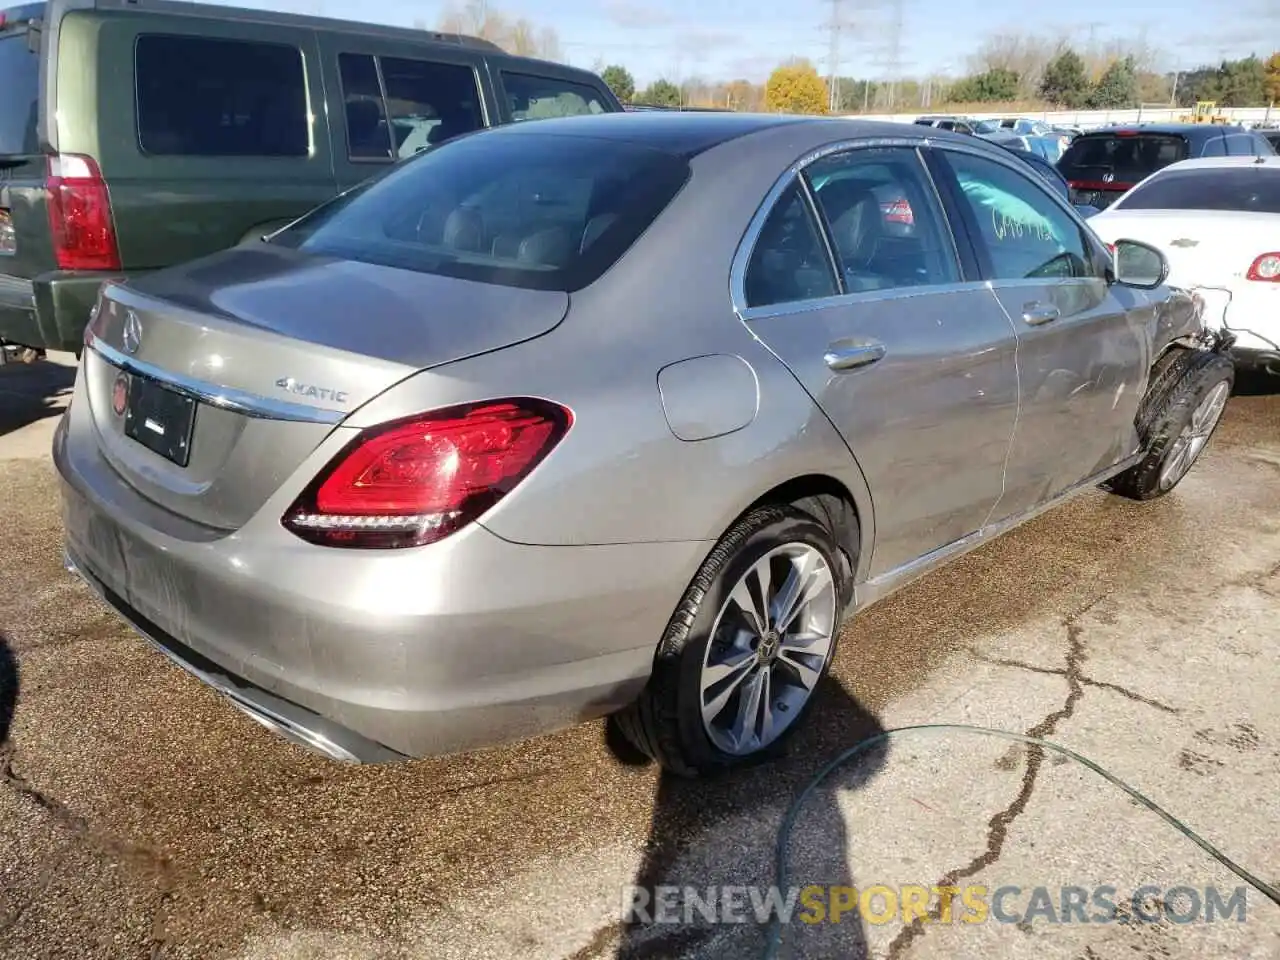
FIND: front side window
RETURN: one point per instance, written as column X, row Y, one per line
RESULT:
column 539, row 98
column 1025, row 233
column 199, row 96
column 522, row 210
column 1245, row 189
column 885, row 224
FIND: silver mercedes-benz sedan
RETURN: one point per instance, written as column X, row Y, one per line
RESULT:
column 609, row 415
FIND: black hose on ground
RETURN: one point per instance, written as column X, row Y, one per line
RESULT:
column 773, row 940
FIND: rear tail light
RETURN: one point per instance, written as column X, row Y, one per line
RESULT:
column 415, row 481
column 84, row 237
column 1265, row 268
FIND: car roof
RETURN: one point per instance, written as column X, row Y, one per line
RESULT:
column 185, row 8
column 688, row 134
column 1166, row 129
column 1218, row 163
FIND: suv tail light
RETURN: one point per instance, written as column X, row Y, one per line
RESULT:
column 1265, row 268
column 84, row 237
column 415, row 481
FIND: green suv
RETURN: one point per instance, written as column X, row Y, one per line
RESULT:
column 136, row 136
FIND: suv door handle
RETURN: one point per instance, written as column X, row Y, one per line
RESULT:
column 842, row 355
column 1038, row 313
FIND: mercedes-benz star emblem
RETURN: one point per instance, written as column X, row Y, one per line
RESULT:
column 132, row 332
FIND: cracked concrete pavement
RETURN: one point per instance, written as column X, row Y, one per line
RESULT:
column 144, row 817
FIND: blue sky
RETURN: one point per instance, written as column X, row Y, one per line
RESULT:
column 723, row 39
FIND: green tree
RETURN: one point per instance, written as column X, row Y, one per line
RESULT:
column 661, row 93
column 620, row 81
column 1241, row 83
column 1271, row 74
column 990, row 86
column 1117, row 87
column 796, row 88
column 1065, row 82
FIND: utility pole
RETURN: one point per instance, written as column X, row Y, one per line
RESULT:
column 893, row 49
column 834, row 26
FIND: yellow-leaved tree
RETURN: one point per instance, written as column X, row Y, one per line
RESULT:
column 795, row 87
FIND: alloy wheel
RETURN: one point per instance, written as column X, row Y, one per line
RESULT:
column 1194, row 435
column 771, row 640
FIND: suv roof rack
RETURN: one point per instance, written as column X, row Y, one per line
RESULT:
column 246, row 14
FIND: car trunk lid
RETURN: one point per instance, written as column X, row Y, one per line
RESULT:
column 1203, row 247
column 238, row 365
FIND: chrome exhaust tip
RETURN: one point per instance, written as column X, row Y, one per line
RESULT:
column 294, row 733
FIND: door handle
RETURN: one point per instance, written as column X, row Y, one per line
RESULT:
column 1038, row 313
column 841, row 357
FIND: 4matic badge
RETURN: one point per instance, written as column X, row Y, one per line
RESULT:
column 311, row 391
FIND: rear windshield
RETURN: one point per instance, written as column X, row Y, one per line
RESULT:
column 530, row 210
column 1128, row 158
column 1253, row 189
column 19, row 86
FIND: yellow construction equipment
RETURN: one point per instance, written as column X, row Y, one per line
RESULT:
column 1205, row 112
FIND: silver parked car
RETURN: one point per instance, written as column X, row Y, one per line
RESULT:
column 609, row 415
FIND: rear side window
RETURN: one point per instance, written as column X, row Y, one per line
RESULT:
column 789, row 263
column 425, row 103
column 1128, row 158
column 887, row 228
column 522, row 210
column 206, row 97
column 1244, row 189
column 19, row 81
column 540, row 98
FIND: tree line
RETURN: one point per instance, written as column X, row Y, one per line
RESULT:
column 1026, row 70
column 1067, row 81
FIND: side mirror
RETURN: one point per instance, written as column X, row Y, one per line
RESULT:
column 1139, row 265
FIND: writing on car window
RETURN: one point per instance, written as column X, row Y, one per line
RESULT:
column 1026, row 232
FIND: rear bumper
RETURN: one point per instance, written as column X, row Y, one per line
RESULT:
column 371, row 655
column 293, row 722
column 50, row 311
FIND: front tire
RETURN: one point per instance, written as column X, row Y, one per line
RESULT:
column 1176, row 421
column 749, row 643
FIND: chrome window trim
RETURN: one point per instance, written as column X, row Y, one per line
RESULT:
column 242, row 402
column 746, row 246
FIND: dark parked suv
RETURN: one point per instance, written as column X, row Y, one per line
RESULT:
column 1102, row 165
column 133, row 137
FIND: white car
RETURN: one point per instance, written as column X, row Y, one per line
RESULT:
column 1217, row 221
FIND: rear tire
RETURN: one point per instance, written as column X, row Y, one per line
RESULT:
column 1180, row 412
column 723, row 692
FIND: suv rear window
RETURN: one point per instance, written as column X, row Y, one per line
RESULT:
column 1252, row 189
column 524, row 210
column 205, row 97
column 1129, row 158
column 19, row 86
